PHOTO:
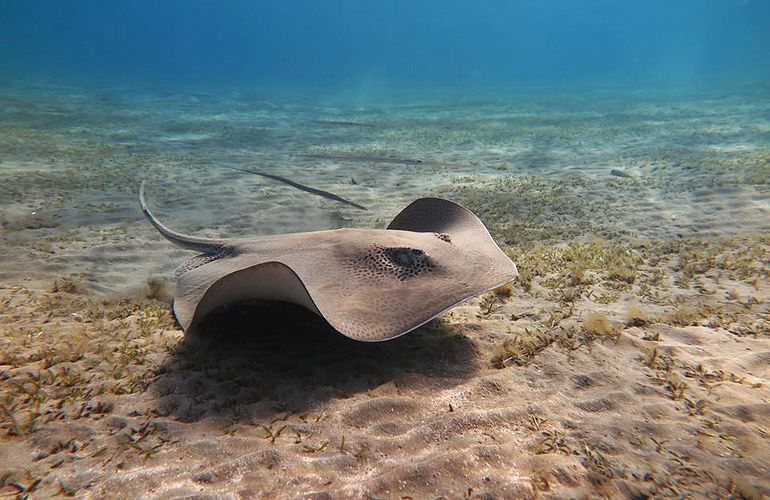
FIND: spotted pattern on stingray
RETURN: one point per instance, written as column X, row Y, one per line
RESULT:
column 378, row 262
column 443, row 237
column 202, row 259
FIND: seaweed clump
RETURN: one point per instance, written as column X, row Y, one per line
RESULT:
column 521, row 349
column 597, row 325
column 636, row 316
column 524, row 209
column 578, row 265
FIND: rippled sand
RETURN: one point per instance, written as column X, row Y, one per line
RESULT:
column 631, row 359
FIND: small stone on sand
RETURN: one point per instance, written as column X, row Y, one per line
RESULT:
column 621, row 173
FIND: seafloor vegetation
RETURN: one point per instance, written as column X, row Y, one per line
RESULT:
column 92, row 387
column 631, row 359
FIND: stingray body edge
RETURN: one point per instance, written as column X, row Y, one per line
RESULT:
column 368, row 284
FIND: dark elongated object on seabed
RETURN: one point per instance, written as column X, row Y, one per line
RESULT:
column 621, row 173
column 301, row 187
column 375, row 159
column 341, row 123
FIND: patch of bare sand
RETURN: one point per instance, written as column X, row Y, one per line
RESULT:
column 614, row 369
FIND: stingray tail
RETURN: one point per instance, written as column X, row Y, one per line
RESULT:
column 205, row 245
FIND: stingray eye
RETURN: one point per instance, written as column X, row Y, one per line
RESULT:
column 408, row 262
column 407, row 257
column 403, row 257
column 381, row 262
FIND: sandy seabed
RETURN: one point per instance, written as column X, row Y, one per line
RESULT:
column 632, row 358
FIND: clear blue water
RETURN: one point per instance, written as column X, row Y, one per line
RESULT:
column 488, row 103
column 340, row 43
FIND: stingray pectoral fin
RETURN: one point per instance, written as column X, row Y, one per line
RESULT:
column 372, row 313
column 203, row 291
column 437, row 215
column 388, row 308
column 392, row 317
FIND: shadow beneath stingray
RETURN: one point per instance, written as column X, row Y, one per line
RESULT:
column 275, row 357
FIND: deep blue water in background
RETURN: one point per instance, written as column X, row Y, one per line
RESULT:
column 458, row 44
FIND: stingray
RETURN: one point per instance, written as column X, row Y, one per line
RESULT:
column 369, row 284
